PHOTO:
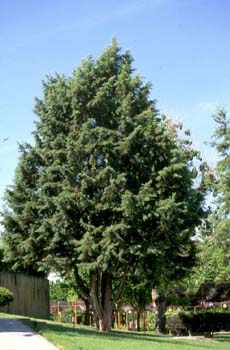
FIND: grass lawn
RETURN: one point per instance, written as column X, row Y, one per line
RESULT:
column 65, row 337
column 225, row 337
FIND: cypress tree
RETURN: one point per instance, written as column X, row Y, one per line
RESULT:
column 112, row 185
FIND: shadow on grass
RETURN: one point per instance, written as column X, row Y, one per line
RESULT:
column 42, row 327
column 222, row 337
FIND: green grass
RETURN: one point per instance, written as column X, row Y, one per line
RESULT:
column 83, row 338
column 222, row 337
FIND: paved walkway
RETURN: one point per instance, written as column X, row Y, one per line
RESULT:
column 15, row 335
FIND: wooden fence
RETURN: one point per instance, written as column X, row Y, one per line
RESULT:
column 31, row 294
column 73, row 312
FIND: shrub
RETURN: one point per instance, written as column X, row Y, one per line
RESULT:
column 152, row 320
column 175, row 324
column 6, row 296
column 208, row 322
column 66, row 316
column 204, row 322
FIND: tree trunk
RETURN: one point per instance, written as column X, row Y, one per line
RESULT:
column 87, row 314
column 101, row 296
column 138, row 321
column 107, row 300
column 160, row 314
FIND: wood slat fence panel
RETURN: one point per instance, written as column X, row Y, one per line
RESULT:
column 31, row 294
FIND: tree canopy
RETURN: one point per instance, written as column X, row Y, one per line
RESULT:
column 107, row 184
column 213, row 249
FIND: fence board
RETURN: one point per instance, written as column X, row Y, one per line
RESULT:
column 31, row 294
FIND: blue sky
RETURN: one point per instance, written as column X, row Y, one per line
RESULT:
column 181, row 46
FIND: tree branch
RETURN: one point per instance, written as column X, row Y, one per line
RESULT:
column 84, row 289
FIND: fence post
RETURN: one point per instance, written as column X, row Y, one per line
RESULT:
column 144, row 321
column 58, row 312
column 134, row 325
column 148, row 321
column 118, row 320
column 127, row 320
column 75, row 310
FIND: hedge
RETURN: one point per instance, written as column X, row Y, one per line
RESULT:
column 205, row 322
column 6, row 296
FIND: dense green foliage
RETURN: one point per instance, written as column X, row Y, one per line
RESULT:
column 61, row 290
column 107, row 185
column 221, row 142
column 6, row 296
column 137, row 293
column 218, row 243
column 213, row 263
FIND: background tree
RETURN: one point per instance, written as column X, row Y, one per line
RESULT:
column 110, row 186
column 219, row 240
column 63, row 288
column 213, row 264
column 71, row 283
column 137, row 294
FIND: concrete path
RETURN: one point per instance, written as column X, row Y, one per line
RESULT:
column 15, row 335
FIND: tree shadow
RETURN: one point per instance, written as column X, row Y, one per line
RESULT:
column 42, row 326
column 222, row 337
